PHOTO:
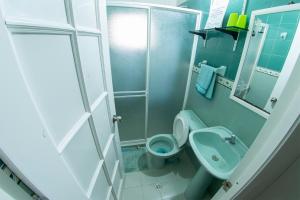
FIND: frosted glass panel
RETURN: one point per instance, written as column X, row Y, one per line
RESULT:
column 85, row 13
column 132, row 110
column 91, row 66
column 82, row 156
column 171, row 47
column 49, row 67
column 128, row 47
column 53, row 10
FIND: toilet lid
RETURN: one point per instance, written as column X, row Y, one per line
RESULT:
column 180, row 130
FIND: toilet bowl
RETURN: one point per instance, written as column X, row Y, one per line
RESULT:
column 163, row 146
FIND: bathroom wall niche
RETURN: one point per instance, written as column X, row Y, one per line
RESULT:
column 268, row 58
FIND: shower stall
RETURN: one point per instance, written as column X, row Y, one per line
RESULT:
column 152, row 55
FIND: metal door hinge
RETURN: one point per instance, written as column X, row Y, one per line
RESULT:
column 117, row 118
column 226, row 185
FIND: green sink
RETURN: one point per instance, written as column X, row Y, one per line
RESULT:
column 217, row 155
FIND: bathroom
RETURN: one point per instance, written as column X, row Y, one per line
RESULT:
column 148, row 100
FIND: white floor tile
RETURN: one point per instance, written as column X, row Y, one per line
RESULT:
column 173, row 180
column 157, row 176
column 150, row 192
column 134, row 193
column 173, row 189
column 132, row 179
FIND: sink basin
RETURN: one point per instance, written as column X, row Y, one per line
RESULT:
column 219, row 157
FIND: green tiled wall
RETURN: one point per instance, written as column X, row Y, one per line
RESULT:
column 218, row 50
column 221, row 110
column 275, row 48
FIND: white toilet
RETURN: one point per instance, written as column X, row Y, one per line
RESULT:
column 163, row 146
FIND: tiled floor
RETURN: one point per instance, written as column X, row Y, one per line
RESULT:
column 134, row 158
column 168, row 183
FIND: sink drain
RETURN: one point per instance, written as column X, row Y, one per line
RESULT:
column 214, row 158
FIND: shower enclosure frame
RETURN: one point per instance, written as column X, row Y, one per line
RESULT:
column 145, row 93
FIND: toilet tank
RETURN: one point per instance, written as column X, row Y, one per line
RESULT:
column 193, row 120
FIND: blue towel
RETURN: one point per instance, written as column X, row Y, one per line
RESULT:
column 206, row 81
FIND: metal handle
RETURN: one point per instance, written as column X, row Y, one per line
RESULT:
column 273, row 99
column 117, row 118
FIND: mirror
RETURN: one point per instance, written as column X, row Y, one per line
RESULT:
column 268, row 58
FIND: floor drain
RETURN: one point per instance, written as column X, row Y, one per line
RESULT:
column 157, row 186
column 214, row 158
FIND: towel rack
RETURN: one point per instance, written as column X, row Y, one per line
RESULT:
column 219, row 70
column 220, row 78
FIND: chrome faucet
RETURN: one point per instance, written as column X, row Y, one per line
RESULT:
column 231, row 139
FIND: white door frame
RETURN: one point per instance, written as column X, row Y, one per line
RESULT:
column 277, row 129
column 288, row 65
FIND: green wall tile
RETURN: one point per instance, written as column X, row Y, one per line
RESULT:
column 290, row 17
column 289, row 28
column 276, row 62
column 198, row 5
column 275, row 48
column 258, row 4
column 268, row 46
column 281, row 47
column 274, row 19
column 264, row 60
column 226, row 45
column 273, row 32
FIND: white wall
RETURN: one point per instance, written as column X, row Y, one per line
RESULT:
column 286, row 186
column 280, row 179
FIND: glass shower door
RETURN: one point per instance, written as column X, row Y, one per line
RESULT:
column 128, row 48
column 151, row 52
column 170, row 50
